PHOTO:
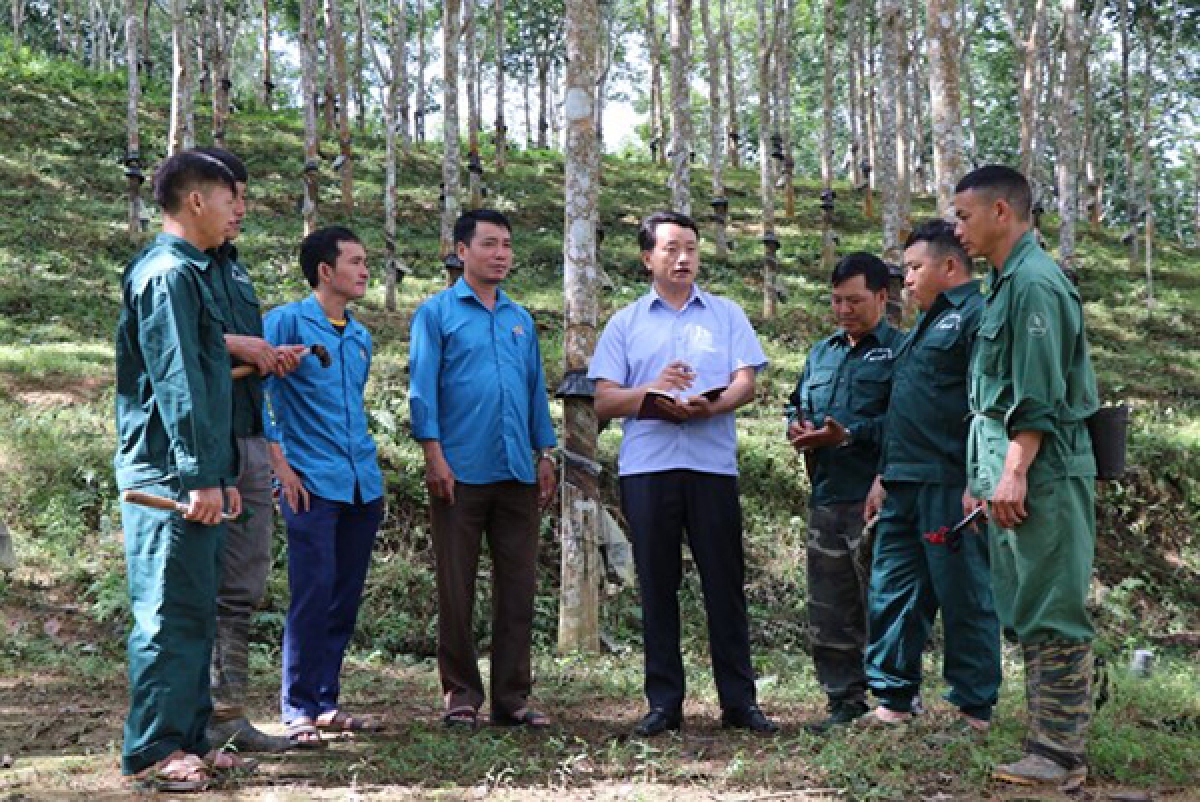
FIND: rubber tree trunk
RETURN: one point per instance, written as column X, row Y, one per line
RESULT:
column 734, row 135
column 1148, row 178
column 133, row 158
column 783, row 106
column 658, row 129
column 828, row 43
column 715, row 137
column 1070, row 131
column 582, row 570
column 501, row 128
column 1123, row 23
column 856, row 84
column 422, row 100
column 888, row 179
column 681, row 105
column 337, row 47
column 308, row 81
column 945, row 100
column 766, row 182
column 451, row 13
column 1028, row 43
column 268, row 86
column 474, row 116
column 182, row 133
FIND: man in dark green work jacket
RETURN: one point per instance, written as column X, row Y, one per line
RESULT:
column 175, row 440
column 246, row 560
column 1030, row 459
column 836, row 422
column 919, row 497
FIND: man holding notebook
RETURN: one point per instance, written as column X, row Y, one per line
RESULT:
column 675, row 365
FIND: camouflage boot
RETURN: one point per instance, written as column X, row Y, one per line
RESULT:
column 1060, row 710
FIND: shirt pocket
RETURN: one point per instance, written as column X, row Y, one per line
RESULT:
column 871, row 387
column 817, row 397
column 991, row 346
column 945, row 358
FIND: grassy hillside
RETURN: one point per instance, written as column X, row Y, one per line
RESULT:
column 63, row 245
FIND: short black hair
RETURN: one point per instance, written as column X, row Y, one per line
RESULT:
column 939, row 235
column 323, row 246
column 464, row 226
column 235, row 165
column 186, row 171
column 648, row 229
column 860, row 263
column 1001, row 182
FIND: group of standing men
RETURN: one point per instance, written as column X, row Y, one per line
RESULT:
column 982, row 403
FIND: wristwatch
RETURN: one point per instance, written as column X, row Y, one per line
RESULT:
column 547, row 453
column 849, row 438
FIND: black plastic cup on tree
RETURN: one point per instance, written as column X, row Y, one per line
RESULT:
column 1109, row 428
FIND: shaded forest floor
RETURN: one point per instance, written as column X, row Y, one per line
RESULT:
column 62, row 248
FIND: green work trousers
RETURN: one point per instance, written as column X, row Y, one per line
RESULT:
column 1041, row 571
column 911, row 579
column 173, row 570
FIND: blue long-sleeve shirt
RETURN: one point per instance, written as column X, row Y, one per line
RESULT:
column 476, row 385
column 317, row 414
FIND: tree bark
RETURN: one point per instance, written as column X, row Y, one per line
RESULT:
column 582, row 570
column 941, row 19
column 336, row 43
column 422, row 100
column 224, row 33
column 658, row 142
column 308, row 82
column 18, row 16
column 783, row 108
column 1028, row 43
column 828, row 43
column 903, row 129
column 891, row 14
column 732, row 132
column 1070, row 128
column 1123, row 23
column 501, row 128
column 715, row 136
column 182, row 134
column 474, row 116
column 855, row 81
column 133, row 158
column 766, row 181
column 1148, row 178
column 451, row 13
column 681, row 105
column 360, row 90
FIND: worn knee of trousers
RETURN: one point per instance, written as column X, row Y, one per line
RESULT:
column 1064, row 708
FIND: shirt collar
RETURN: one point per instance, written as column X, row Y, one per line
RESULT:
column 842, row 338
column 310, row 307
column 698, row 296
column 463, row 291
column 957, row 296
column 1020, row 250
column 227, row 252
column 185, row 250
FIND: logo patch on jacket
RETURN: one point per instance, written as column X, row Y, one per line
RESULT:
column 1037, row 326
column 950, row 322
column 878, row 355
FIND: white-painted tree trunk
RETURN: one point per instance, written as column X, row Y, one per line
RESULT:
column 582, row 568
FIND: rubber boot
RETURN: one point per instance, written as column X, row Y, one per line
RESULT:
column 228, row 680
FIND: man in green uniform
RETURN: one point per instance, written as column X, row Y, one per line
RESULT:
column 175, row 440
column 246, row 560
column 1030, row 460
column 919, row 498
column 836, row 421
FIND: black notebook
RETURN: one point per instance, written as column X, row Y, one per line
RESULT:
column 657, row 405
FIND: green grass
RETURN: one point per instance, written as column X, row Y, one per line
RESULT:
column 62, row 249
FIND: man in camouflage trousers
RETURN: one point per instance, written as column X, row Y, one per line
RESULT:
column 836, row 421
column 1030, row 459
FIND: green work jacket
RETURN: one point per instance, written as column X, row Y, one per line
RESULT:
column 850, row 384
column 1031, row 371
column 239, row 305
column 173, row 383
column 925, row 432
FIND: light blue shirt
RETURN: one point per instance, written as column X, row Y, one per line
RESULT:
column 317, row 414
column 476, row 385
column 710, row 334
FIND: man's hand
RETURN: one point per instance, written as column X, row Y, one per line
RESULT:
column 206, row 505
column 287, row 358
column 798, row 428
column 439, row 478
column 970, row 504
column 875, row 499
column 830, row 434
column 233, row 502
column 698, row 407
column 1007, row 505
column 293, row 490
column 547, row 479
column 675, row 377
column 253, row 351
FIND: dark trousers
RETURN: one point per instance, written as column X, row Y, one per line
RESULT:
column 329, row 552
column 660, row 507
column 173, row 570
column 507, row 513
column 839, row 567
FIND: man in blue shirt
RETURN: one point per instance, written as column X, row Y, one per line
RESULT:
column 837, row 413
column 701, row 354
column 480, row 412
column 332, row 488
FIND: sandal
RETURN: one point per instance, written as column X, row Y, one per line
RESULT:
column 228, row 764
column 525, row 717
column 303, row 734
column 177, row 773
column 465, row 717
column 337, row 721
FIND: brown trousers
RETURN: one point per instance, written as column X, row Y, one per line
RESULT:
column 507, row 512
